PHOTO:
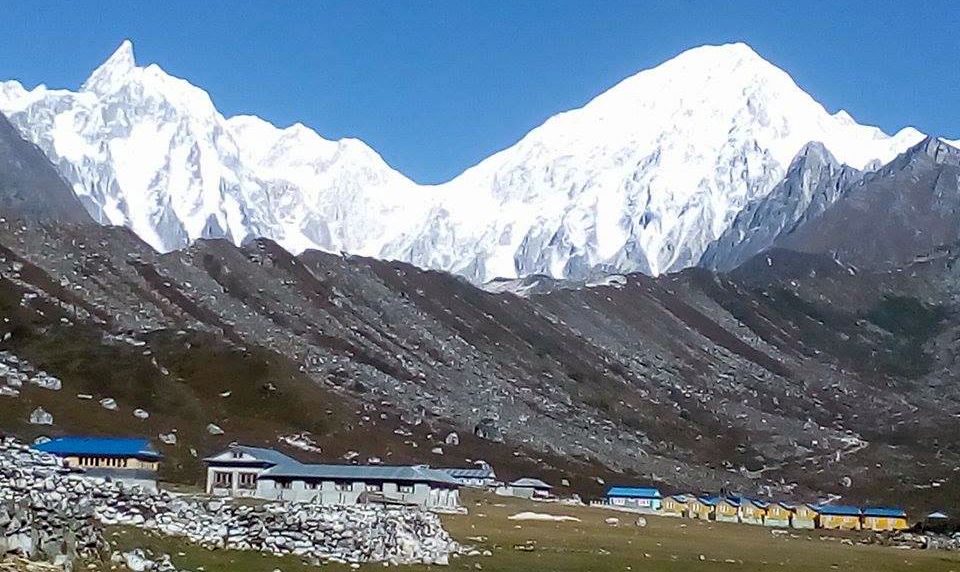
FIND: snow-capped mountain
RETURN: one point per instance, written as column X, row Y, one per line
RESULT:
column 814, row 181
column 150, row 151
column 642, row 178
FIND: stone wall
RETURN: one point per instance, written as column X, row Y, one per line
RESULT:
column 66, row 506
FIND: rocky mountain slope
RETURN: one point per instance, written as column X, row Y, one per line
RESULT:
column 883, row 218
column 30, row 188
column 642, row 178
column 793, row 376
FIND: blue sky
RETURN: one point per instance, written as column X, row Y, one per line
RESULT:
column 435, row 86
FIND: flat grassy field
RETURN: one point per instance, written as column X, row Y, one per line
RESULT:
column 664, row 544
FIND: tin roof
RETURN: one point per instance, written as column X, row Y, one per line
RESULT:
column 528, row 482
column 837, row 510
column 100, row 447
column 634, row 492
column 476, row 473
column 888, row 512
column 269, row 456
column 418, row 474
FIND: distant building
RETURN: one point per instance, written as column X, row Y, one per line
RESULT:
column 803, row 516
column 527, row 488
column 884, row 519
column 242, row 471
column 753, row 511
column 725, row 509
column 482, row 477
column 235, row 471
column 700, row 507
column 360, row 484
column 674, row 505
column 778, row 515
column 641, row 499
column 837, row 517
column 132, row 461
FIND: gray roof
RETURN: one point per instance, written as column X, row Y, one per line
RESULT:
column 484, row 473
column 530, row 483
column 419, row 474
column 271, row 456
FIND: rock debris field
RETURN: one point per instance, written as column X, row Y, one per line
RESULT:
column 49, row 513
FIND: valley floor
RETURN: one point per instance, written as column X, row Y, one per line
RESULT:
column 664, row 544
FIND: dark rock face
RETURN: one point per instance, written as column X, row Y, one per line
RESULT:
column 906, row 209
column 814, row 181
column 30, row 187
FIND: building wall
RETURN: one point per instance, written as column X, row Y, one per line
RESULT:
column 879, row 523
column 234, row 489
column 839, row 522
column 640, row 505
column 752, row 514
column 699, row 510
column 346, row 493
column 726, row 513
column 672, row 507
column 110, row 462
column 777, row 515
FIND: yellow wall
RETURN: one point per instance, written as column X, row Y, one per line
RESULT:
column 884, row 523
column 726, row 509
column 753, row 511
column 673, row 506
column 699, row 509
column 839, row 522
column 777, row 512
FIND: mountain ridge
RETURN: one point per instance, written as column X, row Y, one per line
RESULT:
column 641, row 178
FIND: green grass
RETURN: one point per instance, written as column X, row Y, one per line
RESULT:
column 665, row 544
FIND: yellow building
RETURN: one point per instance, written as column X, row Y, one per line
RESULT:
column 778, row 515
column 752, row 511
column 698, row 507
column 675, row 505
column 836, row 517
column 884, row 519
column 725, row 509
column 804, row 516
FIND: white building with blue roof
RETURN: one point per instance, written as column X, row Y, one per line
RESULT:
column 242, row 471
column 639, row 499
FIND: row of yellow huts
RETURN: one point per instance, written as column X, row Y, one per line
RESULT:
column 731, row 508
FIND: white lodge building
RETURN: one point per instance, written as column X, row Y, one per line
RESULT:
column 267, row 474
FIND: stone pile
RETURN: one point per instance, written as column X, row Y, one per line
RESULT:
column 350, row 534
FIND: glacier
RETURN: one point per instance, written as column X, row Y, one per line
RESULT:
column 640, row 179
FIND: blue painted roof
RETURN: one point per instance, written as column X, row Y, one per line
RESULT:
column 634, row 492
column 100, row 447
column 837, row 510
column 884, row 512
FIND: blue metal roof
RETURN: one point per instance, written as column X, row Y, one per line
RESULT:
column 634, row 492
column 837, row 510
column 100, row 447
column 884, row 512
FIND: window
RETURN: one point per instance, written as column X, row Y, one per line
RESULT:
column 617, row 501
column 373, row 487
column 247, row 480
column 237, row 454
column 406, row 489
column 343, row 486
column 222, row 480
column 311, row 485
column 284, row 484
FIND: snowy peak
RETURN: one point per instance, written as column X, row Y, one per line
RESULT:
column 640, row 179
column 114, row 71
